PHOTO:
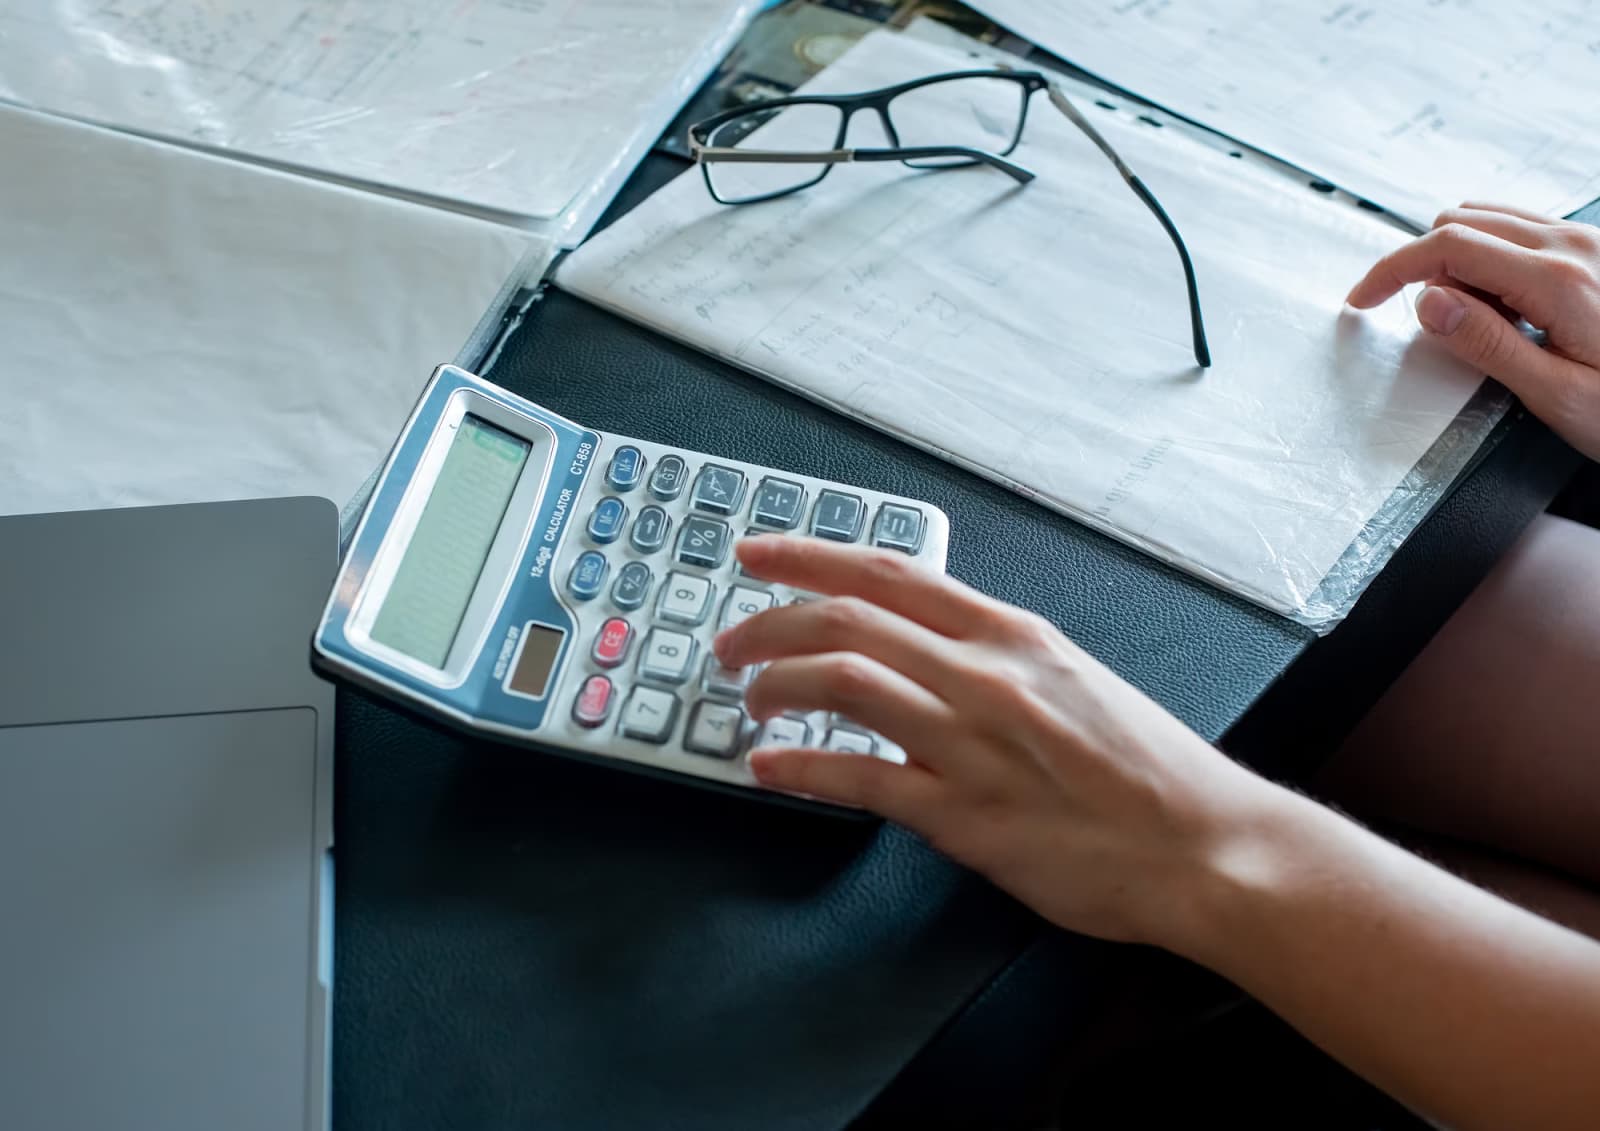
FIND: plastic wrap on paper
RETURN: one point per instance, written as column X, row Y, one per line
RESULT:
column 1039, row 335
column 520, row 108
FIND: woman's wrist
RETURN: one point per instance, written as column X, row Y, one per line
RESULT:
column 1258, row 849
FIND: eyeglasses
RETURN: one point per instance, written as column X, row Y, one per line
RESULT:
column 930, row 123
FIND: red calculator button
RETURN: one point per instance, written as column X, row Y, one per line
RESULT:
column 611, row 646
column 593, row 705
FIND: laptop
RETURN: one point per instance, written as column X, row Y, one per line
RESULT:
column 165, row 818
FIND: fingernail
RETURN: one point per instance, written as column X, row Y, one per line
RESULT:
column 1440, row 311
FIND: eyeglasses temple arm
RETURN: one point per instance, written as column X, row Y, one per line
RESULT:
column 1202, row 351
column 928, row 152
column 717, row 154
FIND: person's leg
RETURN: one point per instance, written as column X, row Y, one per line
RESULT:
column 1492, row 735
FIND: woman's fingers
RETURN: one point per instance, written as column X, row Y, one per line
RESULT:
column 1480, row 335
column 903, row 794
column 1476, row 258
column 862, row 690
column 882, row 577
column 1520, row 230
column 1507, row 209
column 844, row 624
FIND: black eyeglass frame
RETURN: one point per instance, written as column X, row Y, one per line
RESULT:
column 1029, row 82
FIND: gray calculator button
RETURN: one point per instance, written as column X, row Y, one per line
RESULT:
column 626, row 468
column 718, row 489
column 666, row 481
column 898, row 528
column 666, row 656
column 648, row 714
column 650, row 530
column 704, row 542
column 837, row 516
column 729, row 683
column 714, row 729
column 778, row 503
column 684, row 599
column 632, row 586
column 849, row 742
column 607, row 519
column 784, row 731
column 738, row 566
column 742, row 604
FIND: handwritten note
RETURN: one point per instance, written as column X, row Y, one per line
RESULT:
column 1039, row 335
column 529, row 108
column 1416, row 106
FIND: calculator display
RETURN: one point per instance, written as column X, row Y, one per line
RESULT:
column 422, row 611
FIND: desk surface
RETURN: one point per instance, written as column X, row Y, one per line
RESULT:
column 526, row 942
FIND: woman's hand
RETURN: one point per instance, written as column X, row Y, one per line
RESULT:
column 1028, row 760
column 1486, row 266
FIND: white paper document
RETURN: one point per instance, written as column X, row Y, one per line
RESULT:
column 521, row 107
column 1415, row 106
column 182, row 328
column 1039, row 335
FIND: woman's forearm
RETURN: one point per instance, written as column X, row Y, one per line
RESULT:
column 1473, row 1011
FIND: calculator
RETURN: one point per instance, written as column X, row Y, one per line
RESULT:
column 521, row 576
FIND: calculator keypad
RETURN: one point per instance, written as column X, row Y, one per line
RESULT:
column 898, row 528
column 837, row 516
column 714, row 729
column 778, row 503
column 784, row 731
column 667, row 656
column 649, row 714
column 631, row 587
column 592, row 707
column 588, row 576
column 729, row 683
column 665, row 559
column 704, row 542
column 666, row 481
column 718, row 489
column 611, row 646
column 607, row 519
column 625, row 469
column 742, row 604
column 650, row 529
column 685, row 599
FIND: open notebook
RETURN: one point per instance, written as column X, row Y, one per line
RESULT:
column 1039, row 335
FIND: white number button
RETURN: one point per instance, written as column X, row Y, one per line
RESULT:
column 714, row 730
column 666, row 656
column 849, row 742
column 685, row 599
column 729, row 683
column 649, row 714
column 742, row 604
column 783, row 731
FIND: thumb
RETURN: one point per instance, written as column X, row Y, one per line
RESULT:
column 1482, row 337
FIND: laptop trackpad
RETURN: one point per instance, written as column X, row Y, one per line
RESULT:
column 156, row 938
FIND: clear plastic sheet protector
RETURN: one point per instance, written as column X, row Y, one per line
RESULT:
column 1039, row 335
column 528, row 110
